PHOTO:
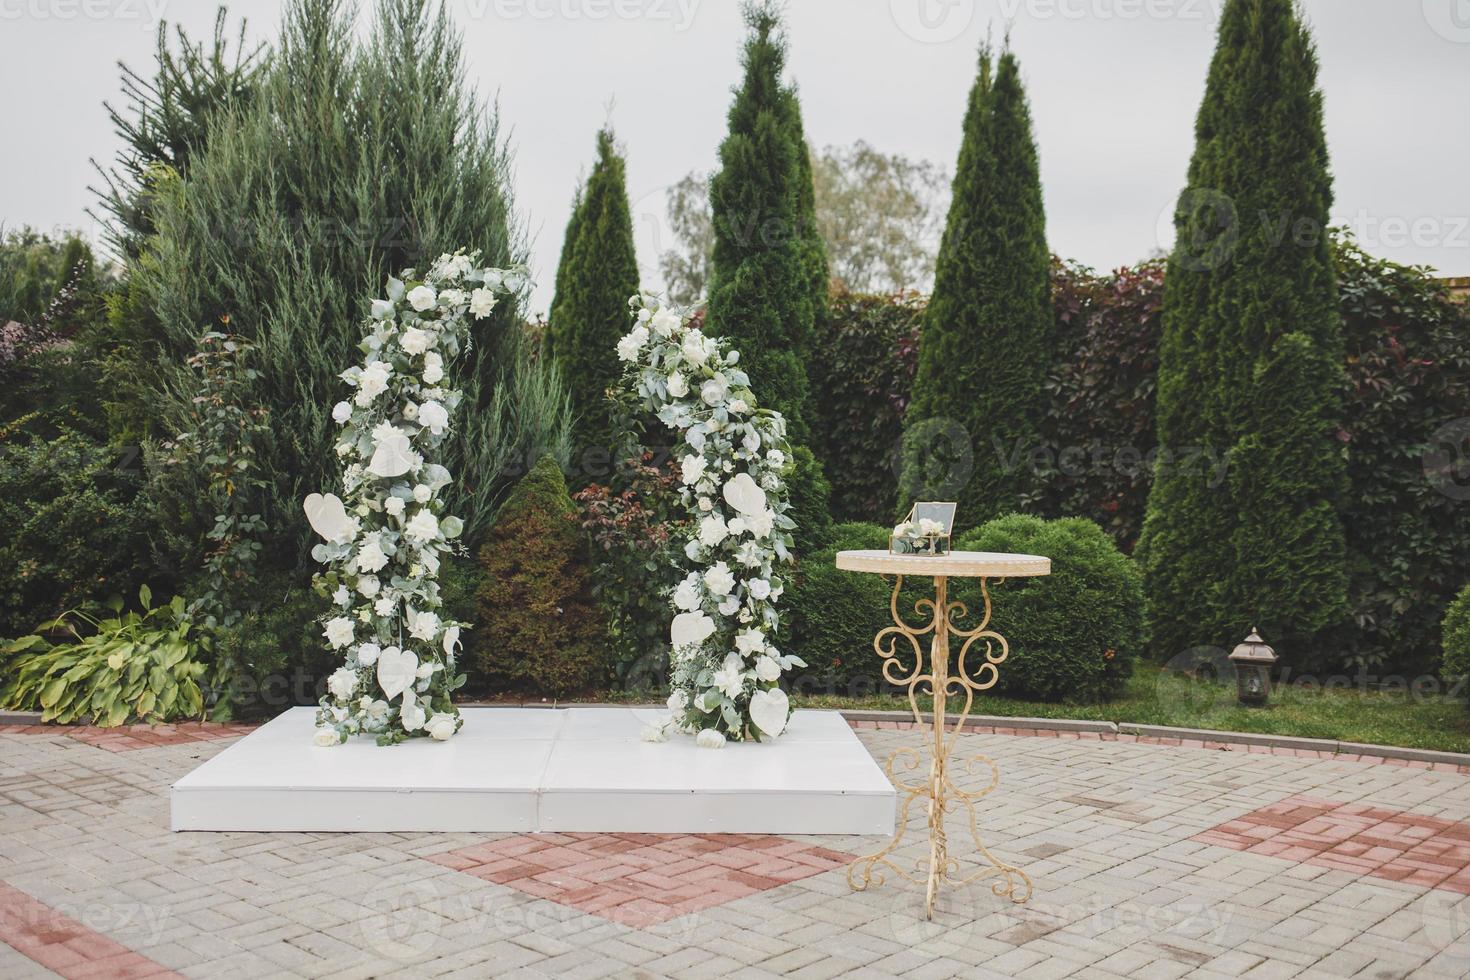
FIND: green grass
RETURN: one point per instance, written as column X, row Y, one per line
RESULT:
column 1158, row 697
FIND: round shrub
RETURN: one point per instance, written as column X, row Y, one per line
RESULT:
column 1073, row 634
column 831, row 616
column 1457, row 636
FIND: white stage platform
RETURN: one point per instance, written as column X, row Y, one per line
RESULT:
column 536, row 769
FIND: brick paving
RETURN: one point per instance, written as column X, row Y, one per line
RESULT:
column 1146, row 859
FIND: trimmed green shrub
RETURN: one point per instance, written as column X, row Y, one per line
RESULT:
column 762, row 293
column 131, row 666
column 830, row 617
column 810, row 495
column 870, row 348
column 273, row 657
column 1250, row 369
column 597, row 274
column 1073, row 634
column 987, row 332
column 74, row 531
column 538, row 626
column 1456, row 637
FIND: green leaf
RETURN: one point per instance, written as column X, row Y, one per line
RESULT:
column 145, row 596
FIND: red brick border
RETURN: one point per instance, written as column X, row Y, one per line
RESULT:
column 65, row 946
column 130, row 737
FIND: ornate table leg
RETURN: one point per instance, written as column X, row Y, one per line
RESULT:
column 939, row 790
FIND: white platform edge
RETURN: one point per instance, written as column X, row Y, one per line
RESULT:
column 204, row 800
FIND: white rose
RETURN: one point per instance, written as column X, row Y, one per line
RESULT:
column 691, row 469
column 630, row 345
column 326, row 737
column 421, row 298
column 694, row 349
column 342, row 597
column 692, row 548
column 433, row 417
column 451, row 297
column 441, row 727
column 718, row 579
column 422, row 527
column 367, row 654
column 342, row 683
column 686, row 595
column 678, row 385
column 736, row 525
column 482, row 301
column 758, row 588
column 706, row 504
column 677, row 702
column 424, row 626
column 415, row 341
column 739, row 407
column 712, row 530
column 715, row 390
column 422, row 493
column 433, row 368
column 776, row 457
column 655, row 733
column 368, row 586
column 767, row 669
column 385, row 605
column 709, row 738
column 341, row 412
column 370, row 557
column 750, row 641
column 394, row 506
column 338, row 631
column 372, row 382
column 412, row 716
column 665, row 322
column 376, row 710
column 760, row 524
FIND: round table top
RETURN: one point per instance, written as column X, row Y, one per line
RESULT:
column 958, row 564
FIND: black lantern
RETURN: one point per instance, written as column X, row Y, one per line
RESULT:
column 1253, row 660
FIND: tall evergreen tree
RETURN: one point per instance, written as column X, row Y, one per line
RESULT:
column 1250, row 362
column 768, row 275
column 355, row 160
column 988, row 326
column 597, row 274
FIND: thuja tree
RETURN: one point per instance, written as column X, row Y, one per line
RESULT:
column 978, row 392
column 589, row 314
column 765, row 292
column 354, row 160
column 1251, row 361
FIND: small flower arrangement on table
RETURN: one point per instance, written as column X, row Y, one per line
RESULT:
column 926, row 531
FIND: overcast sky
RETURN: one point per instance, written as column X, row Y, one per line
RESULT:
column 1114, row 87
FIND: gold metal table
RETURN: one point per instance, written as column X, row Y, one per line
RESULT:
column 945, row 678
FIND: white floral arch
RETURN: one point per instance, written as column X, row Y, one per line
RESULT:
column 732, row 458
column 383, row 538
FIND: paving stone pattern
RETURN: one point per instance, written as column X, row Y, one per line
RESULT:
column 1149, row 860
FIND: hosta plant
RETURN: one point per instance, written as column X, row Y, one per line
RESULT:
column 131, row 666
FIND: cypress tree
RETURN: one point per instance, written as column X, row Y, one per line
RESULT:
column 1250, row 362
column 988, row 325
column 354, row 160
column 597, row 274
column 764, row 270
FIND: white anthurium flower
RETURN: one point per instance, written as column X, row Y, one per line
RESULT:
column 744, row 494
column 422, row 298
column 450, row 641
column 382, row 309
column 690, row 629
column 392, row 456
